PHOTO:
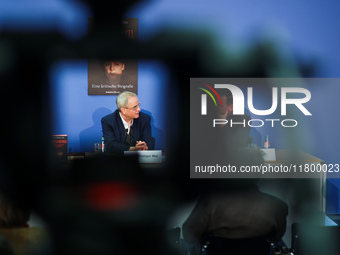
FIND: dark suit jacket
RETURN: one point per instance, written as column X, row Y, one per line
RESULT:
column 237, row 135
column 114, row 132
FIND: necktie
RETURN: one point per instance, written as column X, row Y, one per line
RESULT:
column 129, row 136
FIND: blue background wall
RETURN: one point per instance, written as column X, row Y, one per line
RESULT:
column 78, row 115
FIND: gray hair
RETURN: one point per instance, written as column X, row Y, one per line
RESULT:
column 123, row 98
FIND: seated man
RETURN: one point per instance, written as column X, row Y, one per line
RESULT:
column 236, row 134
column 127, row 129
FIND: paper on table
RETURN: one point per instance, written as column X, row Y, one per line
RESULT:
column 269, row 154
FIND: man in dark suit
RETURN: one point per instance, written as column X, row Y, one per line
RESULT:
column 236, row 132
column 127, row 129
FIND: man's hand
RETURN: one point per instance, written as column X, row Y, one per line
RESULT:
column 141, row 146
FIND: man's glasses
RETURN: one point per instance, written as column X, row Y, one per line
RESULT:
column 134, row 108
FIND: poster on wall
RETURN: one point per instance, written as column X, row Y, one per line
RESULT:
column 113, row 76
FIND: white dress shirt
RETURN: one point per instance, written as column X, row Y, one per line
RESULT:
column 127, row 126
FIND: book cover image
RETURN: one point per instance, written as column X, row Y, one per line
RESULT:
column 113, row 76
column 59, row 147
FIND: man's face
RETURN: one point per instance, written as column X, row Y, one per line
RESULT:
column 114, row 67
column 131, row 111
column 224, row 108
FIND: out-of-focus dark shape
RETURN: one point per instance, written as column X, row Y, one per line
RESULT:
column 11, row 214
column 238, row 216
column 5, row 246
column 315, row 239
column 26, row 240
column 220, row 246
column 108, row 211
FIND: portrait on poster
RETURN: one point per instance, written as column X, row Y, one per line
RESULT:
column 114, row 75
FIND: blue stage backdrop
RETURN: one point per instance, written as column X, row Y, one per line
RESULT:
column 78, row 114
